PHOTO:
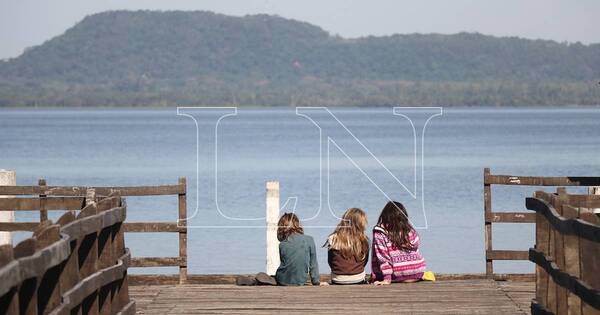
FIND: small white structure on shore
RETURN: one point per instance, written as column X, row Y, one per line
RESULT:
column 7, row 178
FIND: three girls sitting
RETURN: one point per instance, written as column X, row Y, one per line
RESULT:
column 395, row 255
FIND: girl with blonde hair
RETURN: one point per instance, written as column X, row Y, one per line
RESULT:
column 348, row 248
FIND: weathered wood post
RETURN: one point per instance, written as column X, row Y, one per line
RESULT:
column 48, row 292
column 43, row 211
column 559, row 251
column 542, row 243
column 7, row 178
column 572, row 261
column 487, row 211
column 272, row 218
column 88, row 253
column 594, row 191
column 182, row 224
column 589, row 253
column 28, row 287
column 9, row 303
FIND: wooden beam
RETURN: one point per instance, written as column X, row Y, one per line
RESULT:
column 151, row 227
column 36, row 203
column 100, row 191
column 507, row 255
column 541, row 180
column 156, row 261
column 510, row 217
column 18, row 226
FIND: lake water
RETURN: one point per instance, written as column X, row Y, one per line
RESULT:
column 107, row 147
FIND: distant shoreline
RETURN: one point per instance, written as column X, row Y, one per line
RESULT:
column 283, row 107
column 161, row 59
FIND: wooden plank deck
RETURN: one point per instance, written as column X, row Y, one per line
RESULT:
column 441, row 297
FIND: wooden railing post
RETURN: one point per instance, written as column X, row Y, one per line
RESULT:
column 10, row 300
column 106, row 258
column 572, row 262
column 122, row 290
column 43, row 210
column 487, row 211
column 49, row 295
column 559, row 251
column 106, row 255
column 542, row 241
column 28, row 287
column 88, row 259
column 551, row 253
column 182, row 225
column 70, row 274
column 590, row 260
column 118, row 290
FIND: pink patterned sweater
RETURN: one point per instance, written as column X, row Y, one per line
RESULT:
column 391, row 264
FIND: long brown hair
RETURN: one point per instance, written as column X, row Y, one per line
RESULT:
column 288, row 224
column 394, row 220
column 349, row 236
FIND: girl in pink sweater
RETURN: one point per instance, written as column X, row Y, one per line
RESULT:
column 395, row 254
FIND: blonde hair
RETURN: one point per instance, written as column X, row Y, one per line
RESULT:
column 349, row 236
column 288, row 224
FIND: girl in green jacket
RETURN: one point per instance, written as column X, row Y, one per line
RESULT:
column 297, row 253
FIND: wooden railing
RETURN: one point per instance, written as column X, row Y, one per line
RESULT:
column 48, row 198
column 566, row 253
column 76, row 266
column 492, row 217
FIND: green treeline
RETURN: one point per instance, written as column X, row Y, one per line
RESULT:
column 148, row 58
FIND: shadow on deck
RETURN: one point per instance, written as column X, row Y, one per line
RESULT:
column 449, row 297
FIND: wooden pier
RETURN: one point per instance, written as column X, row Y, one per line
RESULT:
column 482, row 296
column 89, row 273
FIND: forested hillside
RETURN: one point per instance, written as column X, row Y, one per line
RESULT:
column 151, row 58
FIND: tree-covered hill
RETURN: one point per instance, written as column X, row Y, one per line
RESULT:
column 126, row 58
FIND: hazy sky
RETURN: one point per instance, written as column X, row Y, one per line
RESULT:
column 25, row 23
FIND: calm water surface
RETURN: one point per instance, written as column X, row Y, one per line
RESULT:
column 151, row 147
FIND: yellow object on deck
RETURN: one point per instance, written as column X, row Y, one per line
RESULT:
column 428, row 276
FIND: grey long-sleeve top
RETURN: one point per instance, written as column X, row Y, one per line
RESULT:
column 298, row 257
